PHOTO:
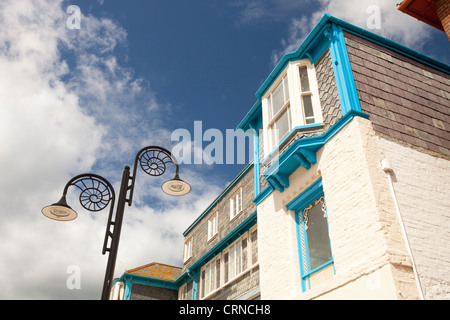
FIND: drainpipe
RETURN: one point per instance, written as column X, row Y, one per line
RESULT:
column 387, row 168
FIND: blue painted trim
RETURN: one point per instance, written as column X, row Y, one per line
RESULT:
column 253, row 113
column 326, row 264
column 224, row 192
column 304, row 199
column 256, row 159
column 294, row 156
column 288, row 136
column 194, row 278
column 131, row 279
column 263, row 194
column 302, row 152
column 300, row 53
column 299, row 249
column 298, row 205
column 348, row 96
column 128, row 285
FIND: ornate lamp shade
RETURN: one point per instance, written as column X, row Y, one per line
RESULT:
column 60, row 211
column 176, row 187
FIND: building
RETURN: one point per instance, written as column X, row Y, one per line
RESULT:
column 348, row 196
column 435, row 13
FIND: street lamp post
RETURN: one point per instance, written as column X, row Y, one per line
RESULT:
column 97, row 193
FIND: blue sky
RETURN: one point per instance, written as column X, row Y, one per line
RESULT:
column 86, row 100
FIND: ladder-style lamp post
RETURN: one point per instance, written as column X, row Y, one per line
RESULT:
column 96, row 193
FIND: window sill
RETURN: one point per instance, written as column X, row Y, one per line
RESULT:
column 212, row 238
column 326, row 264
column 236, row 215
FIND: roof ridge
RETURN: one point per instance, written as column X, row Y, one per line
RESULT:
column 149, row 265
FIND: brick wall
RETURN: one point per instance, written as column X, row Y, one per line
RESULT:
column 443, row 11
column 406, row 100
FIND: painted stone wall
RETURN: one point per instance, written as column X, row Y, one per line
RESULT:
column 366, row 238
column 422, row 187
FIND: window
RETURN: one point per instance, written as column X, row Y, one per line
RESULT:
column 236, row 204
column 236, row 258
column 316, row 227
column 254, row 246
column 229, row 265
column 212, row 225
column 292, row 101
column 306, row 96
column 210, row 276
column 314, row 251
column 279, row 112
column 188, row 249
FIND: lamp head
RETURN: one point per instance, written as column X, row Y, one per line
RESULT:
column 60, row 211
column 176, row 187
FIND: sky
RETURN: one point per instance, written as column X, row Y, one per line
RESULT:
column 85, row 98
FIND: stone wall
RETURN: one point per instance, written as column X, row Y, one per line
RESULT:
column 199, row 231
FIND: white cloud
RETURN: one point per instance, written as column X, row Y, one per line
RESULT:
column 394, row 24
column 68, row 105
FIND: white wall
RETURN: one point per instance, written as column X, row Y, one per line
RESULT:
column 422, row 187
column 364, row 231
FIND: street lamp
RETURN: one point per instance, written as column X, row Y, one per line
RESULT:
column 96, row 193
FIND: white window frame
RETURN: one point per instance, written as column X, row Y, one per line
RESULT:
column 212, row 269
column 236, row 204
column 213, row 225
column 188, row 249
column 294, row 104
column 227, row 273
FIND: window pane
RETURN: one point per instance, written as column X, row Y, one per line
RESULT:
column 238, row 258
column 212, row 278
column 286, row 89
column 282, row 124
column 226, row 268
column 254, row 239
column 304, row 81
column 308, row 109
column 239, row 201
column 279, row 97
column 218, row 273
column 232, row 261
column 318, row 240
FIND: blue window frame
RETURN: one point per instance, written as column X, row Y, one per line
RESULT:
column 314, row 247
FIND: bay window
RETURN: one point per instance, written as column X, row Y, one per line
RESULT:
column 292, row 101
